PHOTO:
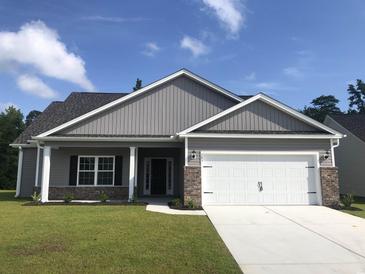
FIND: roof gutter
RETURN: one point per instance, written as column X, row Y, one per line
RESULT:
column 104, row 139
column 262, row 136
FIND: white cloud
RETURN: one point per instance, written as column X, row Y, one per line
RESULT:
column 5, row 105
column 35, row 86
column 39, row 47
column 229, row 12
column 196, row 46
column 107, row 19
column 270, row 86
column 151, row 48
column 267, row 85
column 250, row 77
column 293, row 72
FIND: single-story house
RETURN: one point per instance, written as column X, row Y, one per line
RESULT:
column 350, row 156
column 181, row 136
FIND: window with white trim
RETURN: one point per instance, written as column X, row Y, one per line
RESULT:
column 96, row 170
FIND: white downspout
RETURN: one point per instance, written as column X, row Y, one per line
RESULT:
column 19, row 175
column 186, row 151
column 333, row 150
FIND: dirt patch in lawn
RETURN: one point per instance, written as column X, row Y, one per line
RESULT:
column 44, row 247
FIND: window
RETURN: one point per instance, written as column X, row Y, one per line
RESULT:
column 96, row 170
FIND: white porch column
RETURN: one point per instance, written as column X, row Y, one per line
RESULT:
column 45, row 173
column 19, row 175
column 37, row 165
column 132, row 159
column 186, row 151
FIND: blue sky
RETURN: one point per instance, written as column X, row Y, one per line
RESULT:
column 292, row 50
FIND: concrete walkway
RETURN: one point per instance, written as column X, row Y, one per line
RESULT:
column 160, row 205
column 291, row 239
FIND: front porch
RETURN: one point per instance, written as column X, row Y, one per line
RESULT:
column 121, row 172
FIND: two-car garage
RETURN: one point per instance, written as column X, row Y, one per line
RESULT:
column 260, row 178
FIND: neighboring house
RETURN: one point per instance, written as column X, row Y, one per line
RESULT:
column 350, row 155
column 181, row 136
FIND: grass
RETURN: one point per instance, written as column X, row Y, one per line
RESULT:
column 357, row 208
column 106, row 239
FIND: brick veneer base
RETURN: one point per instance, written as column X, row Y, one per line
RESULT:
column 330, row 186
column 192, row 184
column 86, row 193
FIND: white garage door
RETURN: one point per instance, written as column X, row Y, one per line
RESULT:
column 259, row 179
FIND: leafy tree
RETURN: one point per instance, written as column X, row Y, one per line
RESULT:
column 138, row 84
column 31, row 117
column 357, row 97
column 321, row 106
column 11, row 125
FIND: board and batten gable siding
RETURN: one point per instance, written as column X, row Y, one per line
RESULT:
column 28, row 172
column 350, row 160
column 234, row 145
column 258, row 116
column 164, row 110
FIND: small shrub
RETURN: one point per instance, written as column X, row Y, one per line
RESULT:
column 347, row 200
column 103, row 197
column 36, row 197
column 68, row 198
column 175, row 202
column 191, row 204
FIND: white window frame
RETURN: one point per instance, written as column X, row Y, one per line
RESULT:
column 168, row 160
column 96, row 169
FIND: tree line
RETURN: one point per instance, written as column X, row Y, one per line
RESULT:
column 328, row 104
column 12, row 124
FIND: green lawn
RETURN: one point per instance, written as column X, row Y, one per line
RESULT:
column 358, row 208
column 106, row 239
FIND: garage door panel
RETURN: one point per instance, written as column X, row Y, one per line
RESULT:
column 235, row 179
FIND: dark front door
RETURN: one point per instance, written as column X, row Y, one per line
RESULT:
column 158, row 176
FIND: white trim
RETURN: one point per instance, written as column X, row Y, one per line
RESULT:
column 145, row 190
column 269, row 101
column 315, row 154
column 22, row 145
column 260, row 136
column 257, row 152
column 318, row 180
column 105, row 139
column 131, row 172
column 138, row 92
column 19, row 174
column 186, row 151
column 96, row 169
column 136, row 169
column 45, row 173
column 149, row 159
column 171, row 190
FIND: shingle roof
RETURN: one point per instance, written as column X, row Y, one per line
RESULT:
column 57, row 113
column 355, row 123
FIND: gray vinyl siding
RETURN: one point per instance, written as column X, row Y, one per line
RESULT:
column 164, row 110
column 350, row 160
column 60, row 162
column 210, row 144
column 258, row 116
column 28, row 172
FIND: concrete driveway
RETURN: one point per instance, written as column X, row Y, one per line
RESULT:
column 291, row 239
